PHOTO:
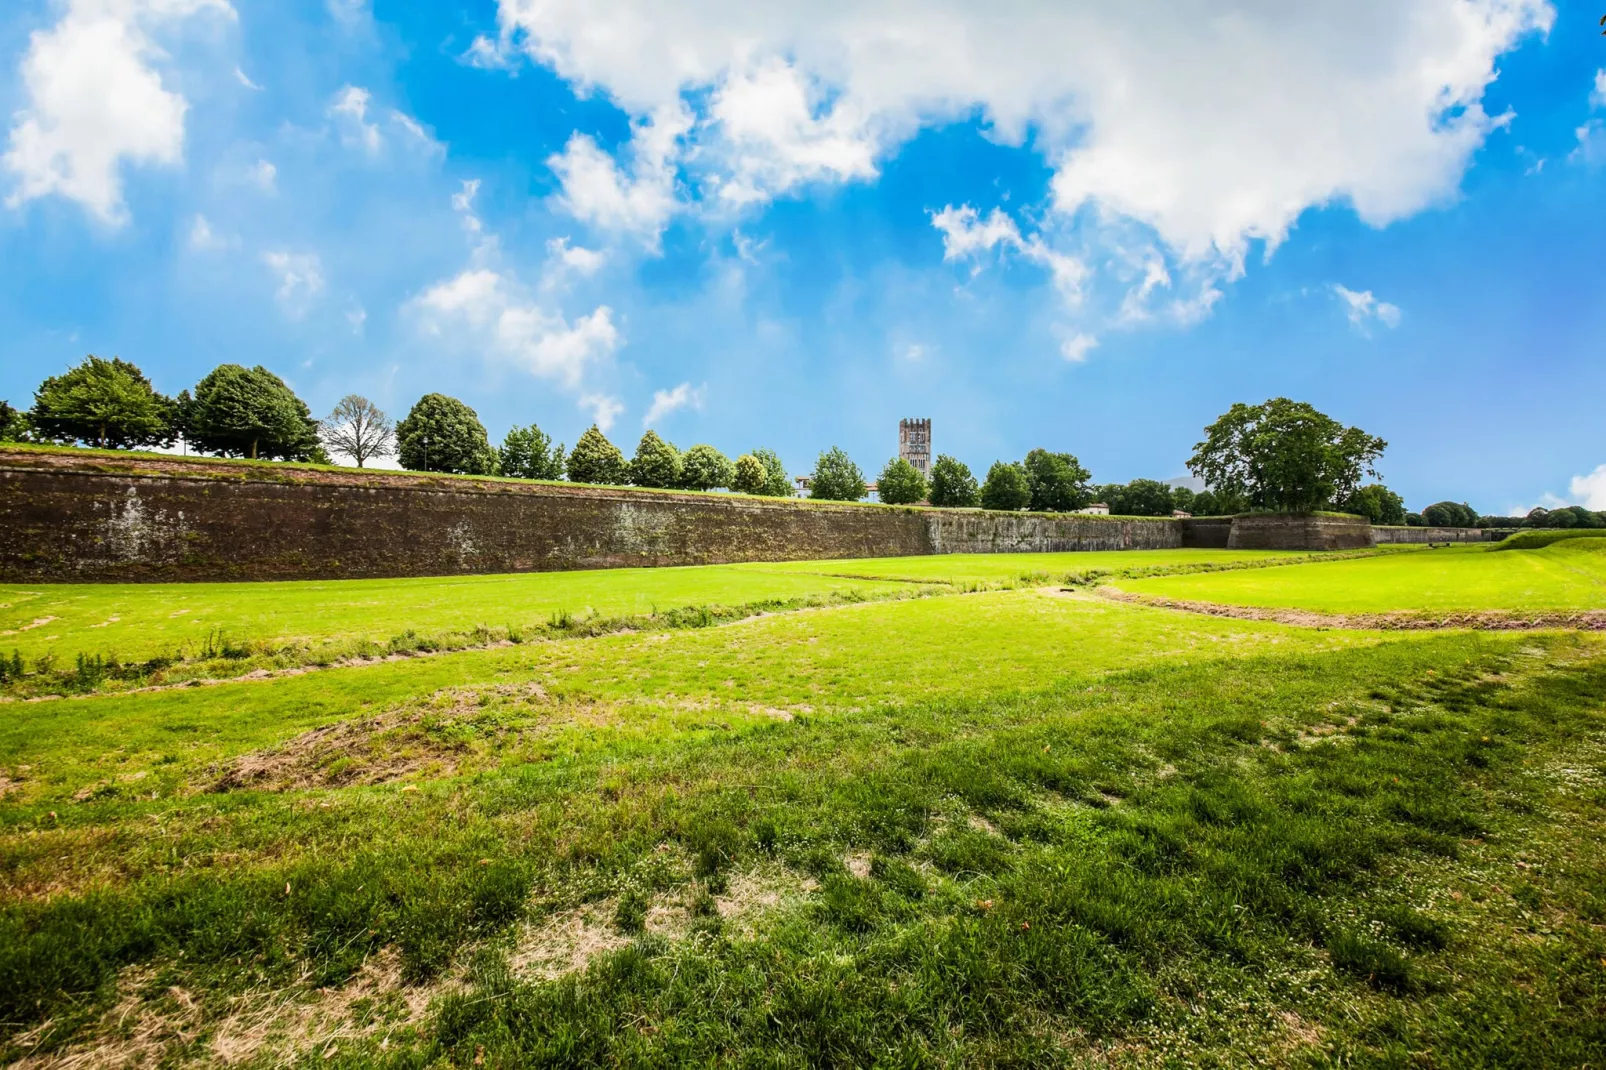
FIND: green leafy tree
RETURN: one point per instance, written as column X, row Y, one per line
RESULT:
column 1414, row 520
column 1141, row 497
column 1284, row 456
column 1058, row 482
column 836, row 478
column 596, row 460
column 750, row 475
column 1007, row 488
column 900, row 483
column 528, row 453
column 777, row 484
column 705, row 468
column 656, row 464
column 106, row 403
column 13, row 424
column 359, row 429
column 1183, row 498
column 1376, row 503
column 1450, row 515
column 248, row 412
column 441, row 434
column 952, row 485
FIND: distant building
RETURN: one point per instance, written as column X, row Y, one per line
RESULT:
column 914, row 444
column 1181, row 514
column 1096, row 509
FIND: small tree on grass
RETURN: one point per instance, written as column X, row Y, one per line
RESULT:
column 952, row 485
column 1376, row 503
column 836, row 478
column 705, row 468
column 900, row 483
column 359, row 429
column 656, row 464
column 441, row 434
column 528, row 453
column 248, row 412
column 777, row 484
column 1059, row 483
column 106, row 403
column 1284, row 456
column 596, row 460
column 1007, row 487
column 750, row 476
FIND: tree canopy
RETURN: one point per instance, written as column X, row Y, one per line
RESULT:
column 528, row 453
column 596, row 460
column 952, row 485
column 106, row 403
column 1284, row 456
column 248, row 412
column 1058, row 482
column 777, row 483
column 837, row 478
column 359, row 429
column 703, row 468
column 441, row 434
column 900, row 483
column 656, row 464
column 1141, row 497
column 1376, row 503
column 1450, row 515
column 750, row 476
column 1007, row 487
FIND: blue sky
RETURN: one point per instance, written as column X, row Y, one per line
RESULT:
column 1039, row 224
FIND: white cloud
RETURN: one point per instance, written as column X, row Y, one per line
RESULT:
column 487, row 54
column 351, row 14
column 966, row 234
column 300, row 277
column 604, row 409
column 1590, row 491
column 665, row 402
column 416, row 132
column 245, row 79
column 264, row 176
column 357, row 316
column 94, row 100
column 637, row 200
column 1363, row 309
column 1076, row 348
column 1597, row 98
column 350, row 110
column 575, row 258
column 204, row 239
column 1214, row 124
column 1591, row 147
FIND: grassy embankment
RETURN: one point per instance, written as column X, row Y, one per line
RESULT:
column 1011, row 828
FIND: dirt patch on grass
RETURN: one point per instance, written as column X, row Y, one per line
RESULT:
column 1593, row 620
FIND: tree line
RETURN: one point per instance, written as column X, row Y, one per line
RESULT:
column 1279, row 456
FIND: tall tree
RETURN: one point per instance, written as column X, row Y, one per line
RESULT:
column 900, row 483
column 952, row 485
column 596, row 460
column 777, row 484
column 836, row 478
column 656, row 464
column 359, row 429
column 1376, row 503
column 248, row 412
column 1007, row 487
column 1450, row 515
column 704, row 468
column 13, row 424
column 1284, row 456
column 528, row 453
column 1141, row 497
column 1059, row 483
column 106, row 403
column 441, row 434
column 749, row 476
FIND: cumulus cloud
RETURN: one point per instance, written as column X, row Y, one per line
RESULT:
column 575, row 259
column 1590, row 491
column 1363, row 309
column 604, row 409
column 300, row 277
column 1076, row 348
column 204, row 239
column 95, row 100
column 264, row 176
column 350, row 110
column 636, row 198
column 1215, row 126
column 665, row 402
column 966, row 234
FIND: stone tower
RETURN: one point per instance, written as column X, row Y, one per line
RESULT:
column 914, row 444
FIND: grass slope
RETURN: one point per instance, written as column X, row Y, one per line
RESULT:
column 1040, row 568
column 1569, row 575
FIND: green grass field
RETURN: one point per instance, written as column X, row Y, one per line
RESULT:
column 1566, row 575
column 1019, row 826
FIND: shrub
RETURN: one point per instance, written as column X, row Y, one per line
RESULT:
column 107, row 403
column 1058, row 482
column 837, row 478
column 656, row 464
column 900, row 483
column 704, row 468
column 596, row 460
column 1376, row 503
column 1007, row 487
column 528, row 453
column 248, row 412
column 1284, row 456
column 441, row 434
column 750, row 476
column 952, row 485
column 1450, row 515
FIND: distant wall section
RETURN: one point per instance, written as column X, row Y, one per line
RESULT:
column 1392, row 535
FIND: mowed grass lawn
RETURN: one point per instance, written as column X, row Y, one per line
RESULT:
column 1010, row 828
column 1569, row 575
column 1039, row 568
